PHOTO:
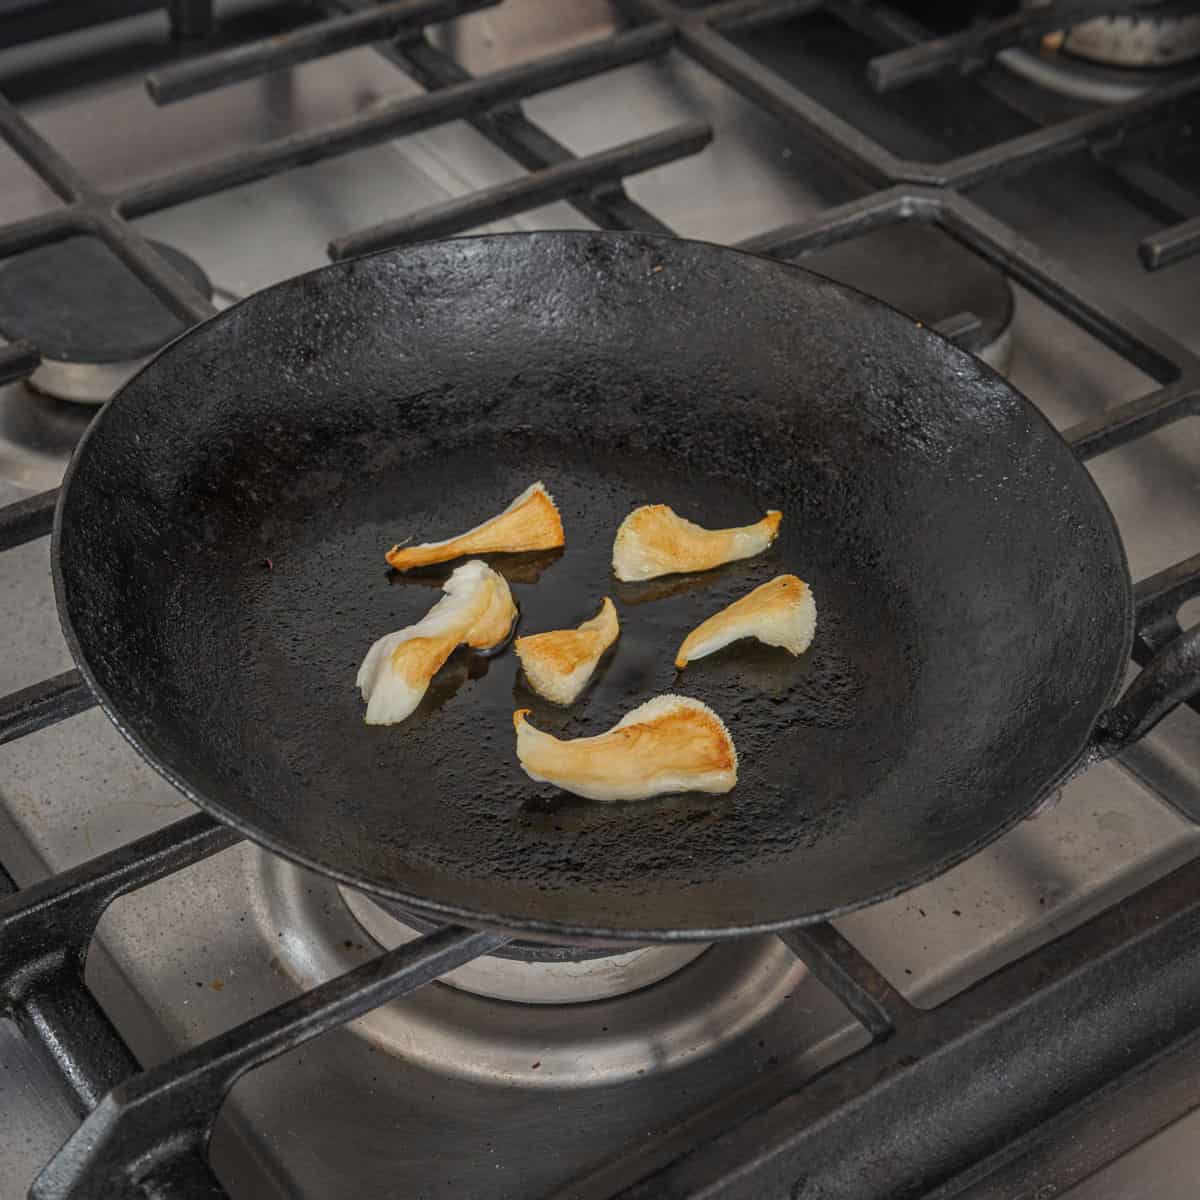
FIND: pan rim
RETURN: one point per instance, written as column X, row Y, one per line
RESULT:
column 561, row 930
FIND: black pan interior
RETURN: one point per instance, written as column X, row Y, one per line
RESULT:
column 219, row 558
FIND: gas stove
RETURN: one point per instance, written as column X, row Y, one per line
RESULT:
column 1022, row 1026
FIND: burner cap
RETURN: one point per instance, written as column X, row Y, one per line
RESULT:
column 77, row 302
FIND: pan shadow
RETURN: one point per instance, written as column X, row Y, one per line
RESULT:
column 525, row 567
column 462, row 667
column 666, row 586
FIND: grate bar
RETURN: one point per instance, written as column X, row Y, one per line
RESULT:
column 43, row 704
column 871, row 160
column 762, row 86
column 750, row 16
column 51, row 166
column 528, row 144
column 39, row 230
column 74, row 1038
column 974, row 47
column 846, row 973
column 836, row 224
column 1132, row 337
column 29, row 22
column 1125, row 332
column 67, row 906
column 1027, row 150
column 146, row 1127
column 1149, row 181
column 45, row 931
column 24, row 520
column 1133, row 419
column 957, row 1082
column 148, row 265
column 528, row 191
column 89, row 212
column 880, row 22
column 1041, row 146
column 330, row 36
column 395, row 119
column 1170, row 245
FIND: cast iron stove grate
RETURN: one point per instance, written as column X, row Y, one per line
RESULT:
column 937, row 1092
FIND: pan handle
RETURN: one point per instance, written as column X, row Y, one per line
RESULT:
column 1169, row 658
column 1167, row 679
column 1170, row 675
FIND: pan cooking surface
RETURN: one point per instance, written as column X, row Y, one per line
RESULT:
column 972, row 598
column 444, row 787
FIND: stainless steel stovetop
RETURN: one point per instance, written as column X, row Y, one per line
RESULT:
column 446, row 1093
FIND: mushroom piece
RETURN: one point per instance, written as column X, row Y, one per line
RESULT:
column 530, row 522
column 558, row 664
column 477, row 609
column 780, row 612
column 669, row 744
column 655, row 540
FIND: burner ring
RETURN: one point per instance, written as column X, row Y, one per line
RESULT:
column 1112, row 59
column 731, row 996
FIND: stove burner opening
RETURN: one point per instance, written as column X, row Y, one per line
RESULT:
column 662, row 1008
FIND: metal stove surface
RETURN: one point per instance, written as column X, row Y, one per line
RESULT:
column 356, row 1112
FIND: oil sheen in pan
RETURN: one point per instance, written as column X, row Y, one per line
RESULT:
column 788, row 717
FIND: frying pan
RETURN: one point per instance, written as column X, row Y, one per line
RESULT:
column 218, row 559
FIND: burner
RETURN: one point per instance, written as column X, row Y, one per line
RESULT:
column 734, row 990
column 927, row 275
column 93, row 320
column 1112, row 59
column 529, row 972
column 1151, row 39
column 37, row 436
